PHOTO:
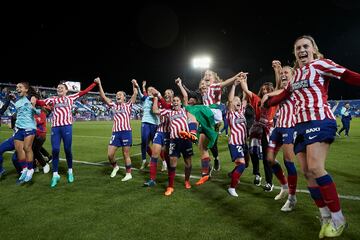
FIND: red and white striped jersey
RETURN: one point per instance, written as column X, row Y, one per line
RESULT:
column 237, row 124
column 286, row 117
column 178, row 121
column 164, row 125
column 213, row 95
column 121, row 116
column 62, row 114
column 309, row 88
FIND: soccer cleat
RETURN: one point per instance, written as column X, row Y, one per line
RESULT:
column 325, row 222
column 2, row 172
column 187, row 185
column 232, row 192
column 268, row 187
column 46, row 168
column 332, row 231
column 282, row 194
column 216, row 165
column 54, row 181
column 114, row 171
column 143, row 165
column 29, row 175
column 257, row 180
column 23, row 175
column 127, row 177
column 164, row 167
column 70, row 177
column 289, row 205
column 188, row 135
column 202, row 180
column 149, row 183
column 169, row 191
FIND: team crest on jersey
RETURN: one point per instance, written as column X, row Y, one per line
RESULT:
column 305, row 83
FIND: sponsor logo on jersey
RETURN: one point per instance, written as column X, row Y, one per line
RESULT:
column 300, row 84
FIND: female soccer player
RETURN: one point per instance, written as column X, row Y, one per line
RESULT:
column 62, row 127
column 25, row 129
column 121, row 132
column 283, row 135
column 237, row 140
column 211, row 96
column 161, row 139
column 149, row 121
column 260, row 132
column 178, row 121
column 40, row 139
column 316, row 126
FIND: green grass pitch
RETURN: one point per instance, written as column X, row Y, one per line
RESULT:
column 97, row 207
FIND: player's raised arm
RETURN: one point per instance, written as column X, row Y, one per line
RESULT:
column 135, row 92
column 178, row 82
column 101, row 91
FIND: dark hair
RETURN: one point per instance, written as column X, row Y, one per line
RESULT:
column 63, row 83
column 269, row 86
column 31, row 91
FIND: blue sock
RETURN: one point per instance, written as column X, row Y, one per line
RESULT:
column 290, row 167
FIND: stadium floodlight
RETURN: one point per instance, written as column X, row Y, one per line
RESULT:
column 202, row 62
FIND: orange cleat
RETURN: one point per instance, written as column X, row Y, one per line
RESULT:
column 169, row 191
column 187, row 185
column 203, row 179
column 188, row 135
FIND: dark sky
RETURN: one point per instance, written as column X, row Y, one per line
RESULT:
column 44, row 44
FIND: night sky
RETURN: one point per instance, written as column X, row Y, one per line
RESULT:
column 156, row 41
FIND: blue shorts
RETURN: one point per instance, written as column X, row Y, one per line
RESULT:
column 183, row 146
column 162, row 138
column 121, row 139
column 21, row 134
column 237, row 151
column 280, row 136
column 313, row 131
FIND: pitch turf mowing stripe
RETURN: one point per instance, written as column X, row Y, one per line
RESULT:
column 105, row 163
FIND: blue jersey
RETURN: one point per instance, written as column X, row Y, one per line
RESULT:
column 25, row 114
column 148, row 115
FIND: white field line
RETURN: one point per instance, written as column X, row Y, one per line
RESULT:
column 348, row 197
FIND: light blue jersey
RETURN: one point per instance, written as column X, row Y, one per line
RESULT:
column 148, row 115
column 25, row 114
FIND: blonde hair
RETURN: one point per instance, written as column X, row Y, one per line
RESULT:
column 214, row 74
column 317, row 54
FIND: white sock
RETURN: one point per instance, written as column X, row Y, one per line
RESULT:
column 70, row 171
column 325, row 212
column 144, row 160
column 338, row 218
column 56, row 174
column 24, row 170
